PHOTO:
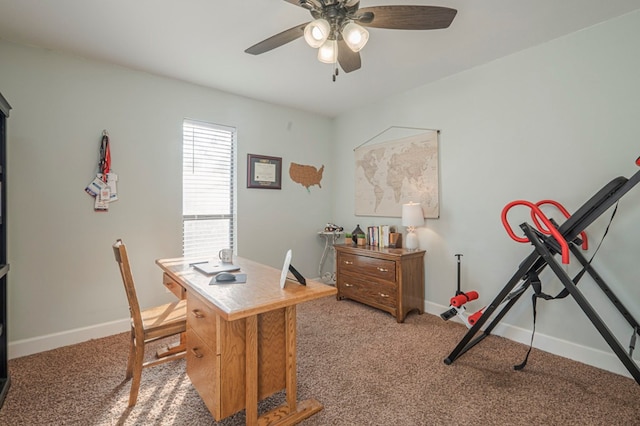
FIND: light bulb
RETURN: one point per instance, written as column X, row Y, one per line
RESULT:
column 328, row 52
column 317, row 32
column 355, row 36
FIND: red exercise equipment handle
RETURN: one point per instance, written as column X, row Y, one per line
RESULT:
column 583, row 235
column 535, row 210
column 463, row 298
column 473, row 319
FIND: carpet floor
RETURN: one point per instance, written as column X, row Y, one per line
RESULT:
column 365, row 369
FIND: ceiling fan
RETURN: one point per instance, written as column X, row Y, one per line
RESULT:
column 337, row 29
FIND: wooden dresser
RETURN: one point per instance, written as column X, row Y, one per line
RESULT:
column 385, row 278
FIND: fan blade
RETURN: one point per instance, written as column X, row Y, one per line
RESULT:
column 409, row 17
column 347, row 58
column 277, row 40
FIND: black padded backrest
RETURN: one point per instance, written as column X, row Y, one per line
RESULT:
column 596, row 205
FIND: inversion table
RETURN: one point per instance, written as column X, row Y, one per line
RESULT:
column 548, row 241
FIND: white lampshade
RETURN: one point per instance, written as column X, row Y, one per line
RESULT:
column 328, row 52
column 355, row 36
column 317, row 32
column 412, row 216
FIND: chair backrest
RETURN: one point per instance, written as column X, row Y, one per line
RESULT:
column 120, row 253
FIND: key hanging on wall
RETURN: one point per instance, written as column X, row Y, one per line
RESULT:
column 103, row 187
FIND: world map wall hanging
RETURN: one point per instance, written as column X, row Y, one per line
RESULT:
column 396, row 172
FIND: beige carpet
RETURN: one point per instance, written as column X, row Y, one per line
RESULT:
column 364, row 367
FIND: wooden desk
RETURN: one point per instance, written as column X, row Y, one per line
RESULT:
column 244, row 333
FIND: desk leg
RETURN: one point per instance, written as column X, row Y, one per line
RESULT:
column 291, row 372
column 251, row 370
column 293, row 411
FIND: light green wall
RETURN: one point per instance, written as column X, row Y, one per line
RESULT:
column 556, row 121
column 63, row 275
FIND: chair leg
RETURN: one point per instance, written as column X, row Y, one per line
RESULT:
column 131, row 357
column 137, row 372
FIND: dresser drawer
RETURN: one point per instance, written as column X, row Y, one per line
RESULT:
column 202, row 320
column 369, row 291
column 203, row 370
column 364, row 265
column 173, row 286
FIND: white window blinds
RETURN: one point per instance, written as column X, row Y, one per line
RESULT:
column 208, row 188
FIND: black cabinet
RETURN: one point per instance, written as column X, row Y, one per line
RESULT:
column 4, row 266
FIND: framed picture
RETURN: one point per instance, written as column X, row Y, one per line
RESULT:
column 264, row 172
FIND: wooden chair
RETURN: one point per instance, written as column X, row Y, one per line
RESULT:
column 148, row 325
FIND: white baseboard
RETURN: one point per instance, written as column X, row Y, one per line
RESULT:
column 584, row 354
column 594, row 357
column 34, row 345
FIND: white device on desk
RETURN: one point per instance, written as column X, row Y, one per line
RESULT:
column 209, row 268
column 286, row 268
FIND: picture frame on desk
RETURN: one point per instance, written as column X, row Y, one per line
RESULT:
column 264, row 172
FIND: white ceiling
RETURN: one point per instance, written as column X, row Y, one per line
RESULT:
column 203, row 42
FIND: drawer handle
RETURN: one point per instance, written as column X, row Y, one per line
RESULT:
column 348, row 285
column 195, row 353
column 383, row 295
column 348, row 262
column 196, row 313
column 382, row 269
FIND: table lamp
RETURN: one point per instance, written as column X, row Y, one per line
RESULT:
column 412, row 216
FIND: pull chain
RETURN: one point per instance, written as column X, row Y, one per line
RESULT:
column 335, row 73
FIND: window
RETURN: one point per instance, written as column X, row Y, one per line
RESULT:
column 208, row 188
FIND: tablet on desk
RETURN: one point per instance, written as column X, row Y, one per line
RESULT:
column 209, row 268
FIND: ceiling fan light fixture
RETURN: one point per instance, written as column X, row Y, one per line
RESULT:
column 336, row 28
column 355, row 36
column 328, row 52
column 317, row 32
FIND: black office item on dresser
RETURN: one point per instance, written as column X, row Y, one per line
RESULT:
column 4, row 266
column 355, row 233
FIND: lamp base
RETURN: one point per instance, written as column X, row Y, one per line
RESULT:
column 411, row 242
